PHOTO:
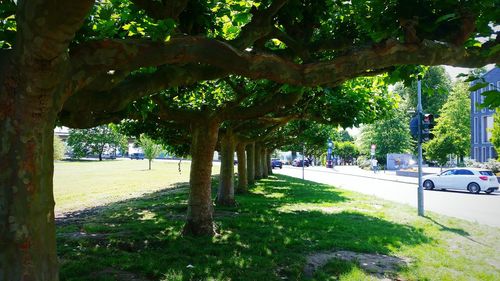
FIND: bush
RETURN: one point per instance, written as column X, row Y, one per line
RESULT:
column 492, row 165
column 59, row 148
column 363, row 162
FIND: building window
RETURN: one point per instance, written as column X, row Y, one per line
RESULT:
column 476, row 154
column 484, row 155
column 476, row 130
column 484, row 126
column 482, row 98
column 489, row 127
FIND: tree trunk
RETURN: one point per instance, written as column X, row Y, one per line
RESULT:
column 258, row 161
column 225, row 194
column 27, row 228
column 100, row 156
column 263, row 155
column 200, row 208
column 269, row 165
column 149, row 163
column 242, row 169
column 251, row 163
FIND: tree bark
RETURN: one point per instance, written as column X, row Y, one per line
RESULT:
column 27, row 228
column 268, row 161
column 265, row 170
column 242, row 169
column 225, row 194
column 258, row 161
column 251, row 163
column 200, row 207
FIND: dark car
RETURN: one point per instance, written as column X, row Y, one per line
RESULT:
column 275, row 163
column 138, row 156
column 299, row 162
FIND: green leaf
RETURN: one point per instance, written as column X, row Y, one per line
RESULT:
column 478, row 86
column 447, row 17
column 242, row 18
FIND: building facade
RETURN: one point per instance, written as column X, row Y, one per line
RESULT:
column 482, row 119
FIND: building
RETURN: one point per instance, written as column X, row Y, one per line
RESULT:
column 482, row 119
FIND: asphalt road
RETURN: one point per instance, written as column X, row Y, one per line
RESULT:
column 480, row 208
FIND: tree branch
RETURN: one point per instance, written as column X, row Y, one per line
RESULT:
column 118, row 54
column 260, row 26
column 43, row 32
column 131, row 89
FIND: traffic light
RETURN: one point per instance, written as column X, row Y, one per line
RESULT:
column 427, row 125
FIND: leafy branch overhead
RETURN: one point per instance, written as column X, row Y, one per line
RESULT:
column 126, row 50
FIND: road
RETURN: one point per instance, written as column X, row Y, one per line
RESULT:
column 480, row 208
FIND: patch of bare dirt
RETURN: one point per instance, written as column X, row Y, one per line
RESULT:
column 380, row 266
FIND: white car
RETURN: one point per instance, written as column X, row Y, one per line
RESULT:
column 472, row 179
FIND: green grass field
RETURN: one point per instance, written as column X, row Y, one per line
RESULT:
column 85, row 184
column 268, row 236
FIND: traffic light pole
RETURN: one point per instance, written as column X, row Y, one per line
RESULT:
column 419, row 114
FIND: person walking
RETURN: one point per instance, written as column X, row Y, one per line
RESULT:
column 374, row 165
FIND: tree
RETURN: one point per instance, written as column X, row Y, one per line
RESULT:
column 346, row 150
column 59, row 148
column 84, row 68
column 93, row 141
column 150, row 147
column 495, row 131
column 390, row 135
column 452, row 130
column 436, row 85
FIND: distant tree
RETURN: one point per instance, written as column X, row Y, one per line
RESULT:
column 452, row 130
column 390, row 135
column 150, row 147
column 59, row 148
column 93, row 141
column 347, row 150
column 495, row 131
column 436, row 84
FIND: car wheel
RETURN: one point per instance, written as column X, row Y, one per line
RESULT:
column 473, row 187
column 489, row 191
column 428, row 184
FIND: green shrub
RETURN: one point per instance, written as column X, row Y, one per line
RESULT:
column 59, row 148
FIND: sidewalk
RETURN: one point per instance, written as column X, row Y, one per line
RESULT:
column 356, row 171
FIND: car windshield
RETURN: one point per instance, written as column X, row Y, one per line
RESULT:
column 486, row 173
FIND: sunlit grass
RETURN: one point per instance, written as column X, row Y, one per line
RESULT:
column 84, row 184
column 268, row 237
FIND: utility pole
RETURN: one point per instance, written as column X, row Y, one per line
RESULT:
column 419, row 114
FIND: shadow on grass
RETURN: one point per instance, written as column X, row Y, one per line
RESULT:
column 257, row 241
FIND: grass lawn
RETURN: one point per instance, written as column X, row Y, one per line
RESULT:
column 84, row 184
column 269, row 236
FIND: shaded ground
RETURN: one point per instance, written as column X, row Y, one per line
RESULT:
column 268, row 236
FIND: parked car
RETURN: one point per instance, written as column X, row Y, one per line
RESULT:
column 276, row 163
column 138, row 156
column 472, row 179
column 298, row 162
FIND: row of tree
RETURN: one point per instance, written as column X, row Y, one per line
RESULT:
column 102, row 60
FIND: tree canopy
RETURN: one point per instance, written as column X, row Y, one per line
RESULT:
column 452, row 130
column 85, row 62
